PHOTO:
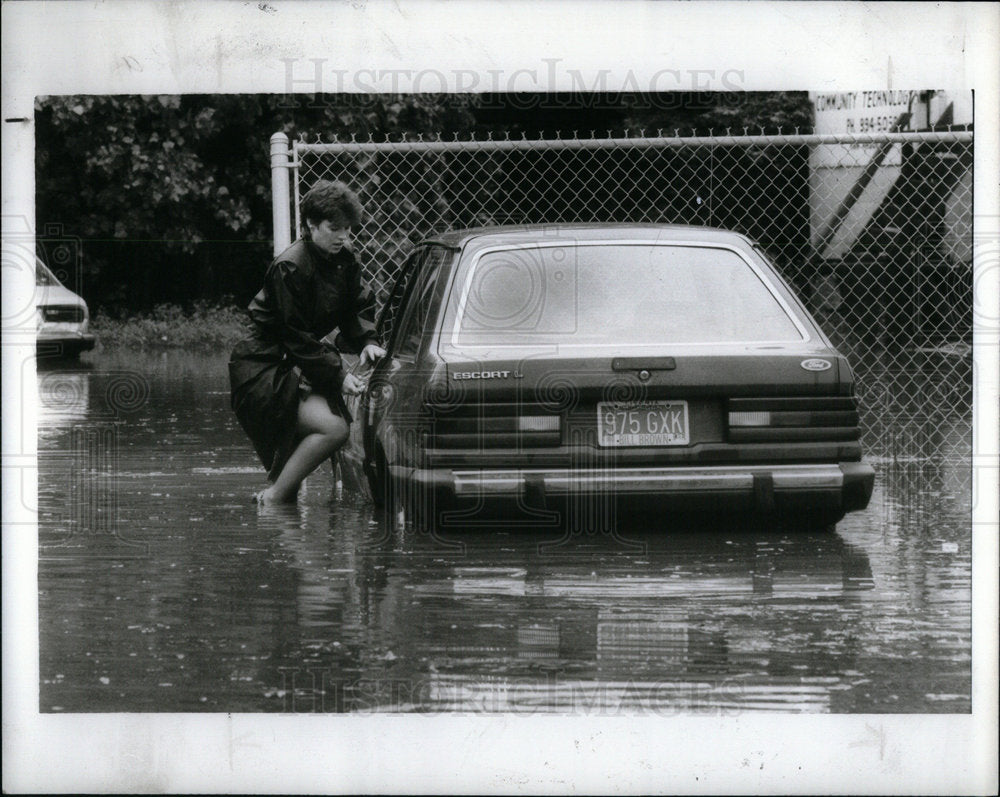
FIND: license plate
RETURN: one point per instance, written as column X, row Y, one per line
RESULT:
column 652, row 423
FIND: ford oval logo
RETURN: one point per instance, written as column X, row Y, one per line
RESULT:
column 817, row 365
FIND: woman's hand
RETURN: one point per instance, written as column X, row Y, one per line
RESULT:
column 371, row 353
column 353, row 385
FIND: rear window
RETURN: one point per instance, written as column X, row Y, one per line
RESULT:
column 43, row 276
column 618, row 293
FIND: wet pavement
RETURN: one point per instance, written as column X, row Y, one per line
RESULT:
column 163, row 588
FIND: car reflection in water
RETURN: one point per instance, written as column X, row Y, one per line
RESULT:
column 63, row 390
column 706, row 621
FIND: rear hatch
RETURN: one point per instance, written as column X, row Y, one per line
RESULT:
column 644, row 351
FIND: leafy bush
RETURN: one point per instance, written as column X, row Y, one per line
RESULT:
column 206, row 327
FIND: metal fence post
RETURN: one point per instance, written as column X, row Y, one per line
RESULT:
column 280, row 195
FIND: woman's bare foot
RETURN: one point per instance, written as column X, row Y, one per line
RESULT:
column 268, row 496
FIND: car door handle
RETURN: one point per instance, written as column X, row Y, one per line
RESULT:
column 643, row 364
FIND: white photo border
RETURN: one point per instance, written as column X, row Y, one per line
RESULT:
column 144, row 47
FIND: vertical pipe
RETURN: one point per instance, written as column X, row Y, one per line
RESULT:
column 297, row 229
column 854, row 194
column 280, row 197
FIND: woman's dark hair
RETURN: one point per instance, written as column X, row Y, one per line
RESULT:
column 333, row 202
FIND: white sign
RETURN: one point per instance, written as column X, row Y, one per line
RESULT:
column 854, row 112
column 864, row 113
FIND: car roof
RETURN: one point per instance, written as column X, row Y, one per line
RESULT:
column 531, row 233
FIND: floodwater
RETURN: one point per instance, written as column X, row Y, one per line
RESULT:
column 163, row 588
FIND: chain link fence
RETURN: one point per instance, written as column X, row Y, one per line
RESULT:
column 874, row 231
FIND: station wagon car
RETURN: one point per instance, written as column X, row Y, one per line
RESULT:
column 535, row 371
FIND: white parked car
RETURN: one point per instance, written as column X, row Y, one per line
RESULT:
column 63, row 318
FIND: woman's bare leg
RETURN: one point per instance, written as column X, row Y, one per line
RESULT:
column 320, row 434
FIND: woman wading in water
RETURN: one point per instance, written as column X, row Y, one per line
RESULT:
column 287, row 385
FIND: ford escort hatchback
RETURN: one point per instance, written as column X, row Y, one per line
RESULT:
column 538, row 371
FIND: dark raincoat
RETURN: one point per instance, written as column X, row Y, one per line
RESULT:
column 307, row 293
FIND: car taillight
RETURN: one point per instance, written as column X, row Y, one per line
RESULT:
column 749, row 419
column 538, row 423
column 70, row 313
column 793, row 419
column 494, row 426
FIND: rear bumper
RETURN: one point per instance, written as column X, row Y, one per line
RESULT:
column 846, row 486
column 63, row 342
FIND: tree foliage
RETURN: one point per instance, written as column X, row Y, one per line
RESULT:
column 170, row 195
column 705, row 113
